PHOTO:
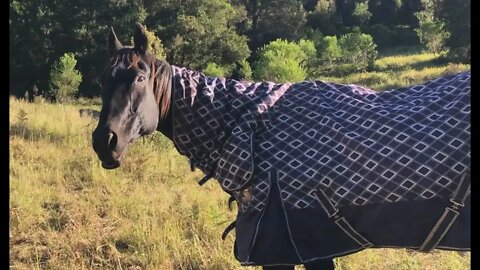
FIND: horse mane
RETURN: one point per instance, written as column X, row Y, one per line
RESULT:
column 162, row 85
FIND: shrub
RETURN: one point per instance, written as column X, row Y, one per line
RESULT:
column 328, row 50
column 64, row 79
column 359, row 50
column 282, row 61
column 214, row 70
column 242, row 71
column 431, row 32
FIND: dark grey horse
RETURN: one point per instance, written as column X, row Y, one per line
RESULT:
column 318, row 170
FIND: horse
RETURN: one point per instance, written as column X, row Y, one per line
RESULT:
column 318, row 170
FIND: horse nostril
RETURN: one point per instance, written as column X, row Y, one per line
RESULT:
column 112, row 140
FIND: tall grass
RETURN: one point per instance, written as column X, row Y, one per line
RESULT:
column 401, row 70
column 66, row 212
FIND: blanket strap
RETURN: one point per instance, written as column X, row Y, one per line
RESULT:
column 228, row 229
column 448, row 217
column 207, row 177
column 332, row 211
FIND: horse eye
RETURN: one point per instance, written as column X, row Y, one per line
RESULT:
column 140, row 79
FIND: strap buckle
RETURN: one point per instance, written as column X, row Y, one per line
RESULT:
column 456, row 205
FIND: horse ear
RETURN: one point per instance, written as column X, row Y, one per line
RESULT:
column 113, row 43
column 140, row 40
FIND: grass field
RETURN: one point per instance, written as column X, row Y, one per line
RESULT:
column 66, row 212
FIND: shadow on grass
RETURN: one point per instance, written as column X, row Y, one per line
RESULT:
column 20, row 130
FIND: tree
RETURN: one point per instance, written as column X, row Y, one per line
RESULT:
column 385, row 11
column 201, row 32
column 283, row 61
column 358, row 50
column 456, row 16
column 272, row 19
column 431, row 32
column 242, row 71
column 64, row 79
column 42, row 30
column 328, row 51
column 324, row 17
column 362, row 13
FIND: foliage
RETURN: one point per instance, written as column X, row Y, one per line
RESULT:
column 387, row 37
column 269, row 20
column 193, row 33
column 242, row 71
column 282, row 61
column 205, row 32
column 384, row 11
column 324, row 17
column 359, row 50
column 362, row 13
column 456, row 16
column 328, row 50
column 431, row 32
column 64, row 79
column 214, row 70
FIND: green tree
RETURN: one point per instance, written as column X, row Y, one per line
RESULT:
column 324, row 17
column 242, row 71
column 283, row 61
column 362, row 13
column 64, row 79
column 385, row 11
column 358, row 50
column 328, row 52
column 201, row 32
column 272, row 19
column 456, row 16
column 41, row 31
column 431, row 32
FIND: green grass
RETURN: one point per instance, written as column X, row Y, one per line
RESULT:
column 66, row 212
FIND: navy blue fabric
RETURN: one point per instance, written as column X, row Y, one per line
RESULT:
column 397, row 154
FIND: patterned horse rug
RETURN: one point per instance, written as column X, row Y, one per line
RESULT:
column 320, row 170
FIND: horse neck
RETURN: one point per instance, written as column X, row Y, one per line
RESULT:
column 203, row 112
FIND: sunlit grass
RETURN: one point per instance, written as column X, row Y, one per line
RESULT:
column 402, row 70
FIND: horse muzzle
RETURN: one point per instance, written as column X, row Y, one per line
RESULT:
column 106, row 145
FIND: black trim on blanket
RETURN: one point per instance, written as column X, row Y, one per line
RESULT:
column 448, row 217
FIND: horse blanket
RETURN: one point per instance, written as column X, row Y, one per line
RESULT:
column 321, row 170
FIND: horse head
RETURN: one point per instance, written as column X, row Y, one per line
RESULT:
column 136, row 90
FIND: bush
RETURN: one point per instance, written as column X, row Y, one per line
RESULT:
column 431, row 32
column 283, row 61
column 242, row 71
column 328, row 50
column 359, row 50
column 64, row 79
column 214, row 70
